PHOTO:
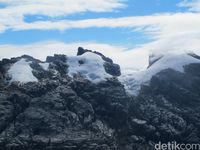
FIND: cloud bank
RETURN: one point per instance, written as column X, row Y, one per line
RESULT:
column 13, row 14
column 56, row 8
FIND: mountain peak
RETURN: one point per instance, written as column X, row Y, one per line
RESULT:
column 158, row 63
column 191, row 56
column 73, row 102
column 92, row 65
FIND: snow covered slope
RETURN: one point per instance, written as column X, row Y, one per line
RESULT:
column 132, row 81
column 21, row 72
column 89, row 65
column 93, row 67
column 45, row 66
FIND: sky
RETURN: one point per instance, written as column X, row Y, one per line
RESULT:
column 128, row 31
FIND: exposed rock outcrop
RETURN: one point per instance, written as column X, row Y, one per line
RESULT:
column 60, row 112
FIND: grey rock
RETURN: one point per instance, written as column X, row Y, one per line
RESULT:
column 61, row 113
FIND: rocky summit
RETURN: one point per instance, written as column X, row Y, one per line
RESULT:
column 85, row 102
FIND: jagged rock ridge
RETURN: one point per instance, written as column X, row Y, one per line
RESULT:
column 71, row 112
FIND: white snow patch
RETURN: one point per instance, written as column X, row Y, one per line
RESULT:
column 89, row 65
column 21, row 72
column 131, row 85
column 127, row 78
column 138, row 121
column 173, row 61
column 133, row 80
column 45, row 66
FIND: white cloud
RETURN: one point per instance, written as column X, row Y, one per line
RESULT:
column 14, row 12
column 179, row 31
column 192, row 5
column 56, row 8
column 160, row 26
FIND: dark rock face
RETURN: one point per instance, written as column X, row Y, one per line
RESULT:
column 56, row 57
column 81, row 51
column 61, row 113
column 58, row 112
column 170, row 106
column 153, row 59
column 194, row 55
column 112, row 69
column 62, row 117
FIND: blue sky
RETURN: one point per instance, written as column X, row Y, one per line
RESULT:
column 125, row 30
column 117, row 36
